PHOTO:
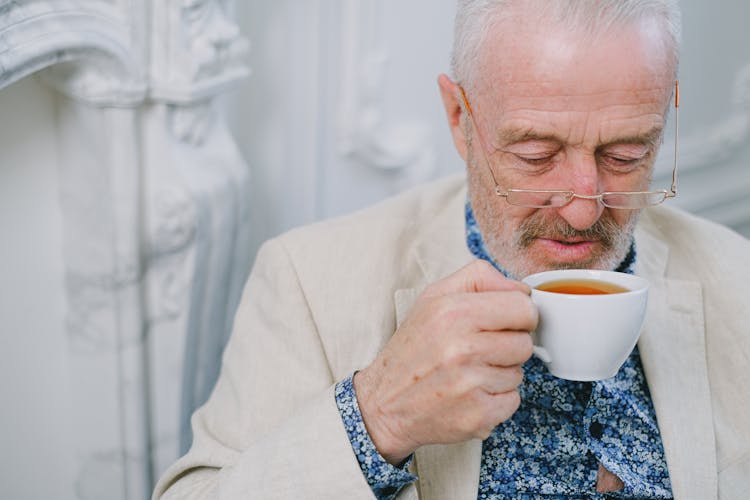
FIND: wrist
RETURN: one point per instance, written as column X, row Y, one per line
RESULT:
column 394, row 449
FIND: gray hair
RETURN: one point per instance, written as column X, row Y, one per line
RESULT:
column 475, row 19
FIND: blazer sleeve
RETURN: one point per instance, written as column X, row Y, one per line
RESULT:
column 271, row 428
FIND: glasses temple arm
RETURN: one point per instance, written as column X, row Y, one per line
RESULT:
column 498, row 190
column 673, row 190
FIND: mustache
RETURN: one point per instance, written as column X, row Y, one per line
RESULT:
column 605, row 230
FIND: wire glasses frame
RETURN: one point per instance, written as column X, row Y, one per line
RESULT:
column 555, row 198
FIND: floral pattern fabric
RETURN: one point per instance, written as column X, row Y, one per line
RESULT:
column 384, row 479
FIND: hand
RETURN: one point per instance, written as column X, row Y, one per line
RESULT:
column 451, row 371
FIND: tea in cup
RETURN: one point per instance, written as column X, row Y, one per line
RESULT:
column 589, row 320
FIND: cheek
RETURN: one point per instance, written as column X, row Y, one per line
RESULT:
column 506, row 224
column 622, row 217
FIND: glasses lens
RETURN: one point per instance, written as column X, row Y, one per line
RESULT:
column 538, row 199
column 633, row 200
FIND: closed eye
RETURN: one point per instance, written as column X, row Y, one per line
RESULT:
column 623, row 164
column 536, row 160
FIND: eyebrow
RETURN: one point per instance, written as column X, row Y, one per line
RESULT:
column 651, row 138
column 514, row 135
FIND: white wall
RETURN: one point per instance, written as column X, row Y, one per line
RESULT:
column 35, row 388
column 342, row 108
column 715, row 112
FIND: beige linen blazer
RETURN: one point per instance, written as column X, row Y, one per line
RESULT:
column 323, row 300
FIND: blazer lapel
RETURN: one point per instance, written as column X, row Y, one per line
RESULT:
column 673, row 352
column 449, row 472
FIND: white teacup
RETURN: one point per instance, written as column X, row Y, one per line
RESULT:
column 587, row 337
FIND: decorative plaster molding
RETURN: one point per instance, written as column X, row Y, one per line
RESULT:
column 154, row 219
column 90, row 51
column 174, row 220
column 711, row 181
column 90, row 306
column 197, row 51
column 173, row 225
column 191, row 122
column 718, row 142
column 363, row 134
column 86, row 44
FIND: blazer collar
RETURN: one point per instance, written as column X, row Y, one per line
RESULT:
column 440, row 247
column 673, row 352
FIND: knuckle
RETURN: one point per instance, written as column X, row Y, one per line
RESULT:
column 481, row 273
column 480, row 266
column 533, row 313
column 457, row 353
column 516, row 376
column 526, row 346
column 527, row 311
column 513, row 402
column 468, row 425
column 484, row 420
column 483, row 433
column 490, row 419
column 442, row 312
column 507, row 405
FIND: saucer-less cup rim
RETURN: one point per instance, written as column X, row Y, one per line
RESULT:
column 635, row 284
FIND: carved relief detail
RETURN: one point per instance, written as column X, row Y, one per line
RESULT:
column 174, row 216
column 363, row 134
column 717, row 142
column 139, row 189
column 197, row 50
column 174, row 220
column 191, row 123
column 85, row 44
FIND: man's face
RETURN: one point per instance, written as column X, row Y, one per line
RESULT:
column 557, row 112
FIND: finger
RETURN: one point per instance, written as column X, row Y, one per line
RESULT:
column 504, row 349
column 497, row 379
column 478, row 276
column 498, row 407
column 492, row 311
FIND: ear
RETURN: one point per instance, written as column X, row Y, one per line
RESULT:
column 450, row 94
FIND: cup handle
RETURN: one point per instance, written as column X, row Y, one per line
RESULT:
column 542, row 354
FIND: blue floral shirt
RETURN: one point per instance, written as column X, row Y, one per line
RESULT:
column 553, row 445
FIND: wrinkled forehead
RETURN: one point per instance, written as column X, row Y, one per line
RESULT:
column 527, row 57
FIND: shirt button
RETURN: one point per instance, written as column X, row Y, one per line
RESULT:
column 596, row 430
column 388, row 491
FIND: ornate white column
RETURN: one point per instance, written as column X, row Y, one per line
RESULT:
column 153, row 195
column 198, row 196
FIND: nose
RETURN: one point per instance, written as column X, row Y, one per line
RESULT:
column 583, row 213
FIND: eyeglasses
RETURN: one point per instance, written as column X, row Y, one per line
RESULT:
column 556, row 198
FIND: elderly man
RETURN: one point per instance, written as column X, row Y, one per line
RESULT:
column 387, row 353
